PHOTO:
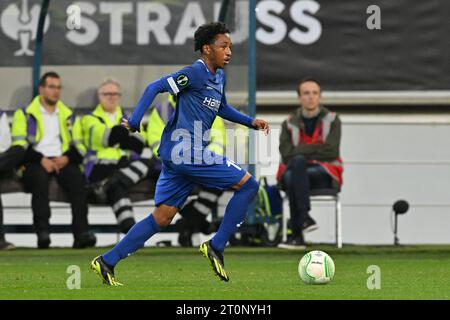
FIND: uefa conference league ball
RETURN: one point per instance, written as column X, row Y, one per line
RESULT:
column 316, row 267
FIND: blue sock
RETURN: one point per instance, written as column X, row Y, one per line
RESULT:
column 235, row 213
column 134, row 240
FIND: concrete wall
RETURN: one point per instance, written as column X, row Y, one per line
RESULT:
column 80, row 83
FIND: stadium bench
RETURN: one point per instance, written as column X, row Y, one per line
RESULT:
column 144, row 190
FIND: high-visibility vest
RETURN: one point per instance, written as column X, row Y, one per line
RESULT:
column 28, row 127
column 96, row 128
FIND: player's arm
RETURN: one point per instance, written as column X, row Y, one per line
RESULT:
column 152, row 90
column 173, row 83
column 231, row 114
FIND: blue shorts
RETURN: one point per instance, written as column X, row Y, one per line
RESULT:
column 176, row 181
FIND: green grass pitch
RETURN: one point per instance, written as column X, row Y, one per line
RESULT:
column 409, row 272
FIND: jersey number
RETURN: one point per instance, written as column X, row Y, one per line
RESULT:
column 231, row 163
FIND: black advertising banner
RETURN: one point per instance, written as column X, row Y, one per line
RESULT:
column 109, row 32
column 339, row 43
column 348, row 44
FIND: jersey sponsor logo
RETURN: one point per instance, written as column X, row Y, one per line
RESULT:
column 211, row 103
column 182, row 80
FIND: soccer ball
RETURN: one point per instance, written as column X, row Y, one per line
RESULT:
column 316, row 267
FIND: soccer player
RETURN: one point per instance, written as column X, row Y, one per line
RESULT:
column 200, row 90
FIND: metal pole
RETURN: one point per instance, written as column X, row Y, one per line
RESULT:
column 223, row 10
column 37, row 60
column 252, row 94
column 395, row 230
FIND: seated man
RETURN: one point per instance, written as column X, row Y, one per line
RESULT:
column 309, row 147
column 51, row 137
column 113, row 163
column 194, row 213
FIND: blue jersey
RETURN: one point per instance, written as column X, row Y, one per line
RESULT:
column 200, row 94
column 200, row 98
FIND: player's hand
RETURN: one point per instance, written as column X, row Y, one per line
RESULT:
column 260, row 124
column 126, row 124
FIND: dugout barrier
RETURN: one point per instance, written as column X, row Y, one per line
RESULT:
column 142, row 191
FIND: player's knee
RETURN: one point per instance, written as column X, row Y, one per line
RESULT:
column 251, row 186
column 163, row 215
column 163, row 221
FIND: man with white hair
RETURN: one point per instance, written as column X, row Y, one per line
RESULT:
column 113, row 163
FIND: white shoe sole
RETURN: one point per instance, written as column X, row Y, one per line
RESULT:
column 311, row 228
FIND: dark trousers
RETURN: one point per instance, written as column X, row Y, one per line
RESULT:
column 9, row 160
column 2, row 231
column 122, row 177
column 196, row 211
column 299, row 178
column 71, row 180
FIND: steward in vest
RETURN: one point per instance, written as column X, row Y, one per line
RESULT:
column 113, row 164
column 309, row 147
column 51, row 135
column 194, row 213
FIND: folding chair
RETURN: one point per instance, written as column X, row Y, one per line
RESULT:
column 323, row 195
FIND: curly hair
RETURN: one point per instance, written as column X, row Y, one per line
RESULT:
column 207, row 32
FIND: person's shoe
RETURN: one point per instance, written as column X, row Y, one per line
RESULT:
column 43, row 240
column 310, row 225
column 184, row 232
column 185, row 238
column 208, row 228
column 294, row 243
column 105, row 272
column 85, row 240
column 5, row 245
column 215, row 259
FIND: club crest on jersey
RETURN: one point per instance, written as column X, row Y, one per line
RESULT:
column 182, row 80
